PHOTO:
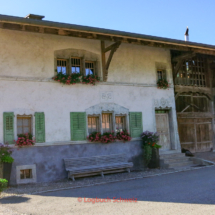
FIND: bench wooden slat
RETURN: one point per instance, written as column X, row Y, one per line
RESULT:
column 96, row 164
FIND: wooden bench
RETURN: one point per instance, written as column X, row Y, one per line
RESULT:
column 85, row 166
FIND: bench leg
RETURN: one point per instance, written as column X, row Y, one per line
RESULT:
column 102, row 174
column 73, row 178
column 128, row 170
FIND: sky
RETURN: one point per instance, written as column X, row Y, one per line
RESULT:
column 163, row 18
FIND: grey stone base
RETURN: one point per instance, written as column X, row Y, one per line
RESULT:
column 49, row 159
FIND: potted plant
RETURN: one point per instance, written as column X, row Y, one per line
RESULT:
column 6, row 160
column 3, row 184
column 151, row 149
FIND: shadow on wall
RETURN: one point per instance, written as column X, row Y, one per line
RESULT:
column 138, row 162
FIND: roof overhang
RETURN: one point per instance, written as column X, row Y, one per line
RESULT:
column 71, row 30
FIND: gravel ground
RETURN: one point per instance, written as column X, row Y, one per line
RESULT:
column 82, row 182
column 4, row 211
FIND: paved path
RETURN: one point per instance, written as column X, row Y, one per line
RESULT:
column 206, row 156
column 191, row 192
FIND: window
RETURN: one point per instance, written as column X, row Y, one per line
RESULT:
column 192, row 73
column 161, row 74
column 75, row 65
column 191, row 102
column 107, row 122
column 69, row 61
column 23, row 124
column 61, row 66
column 120, row 123
column 93, row 124
column 90, row 68
column 99, row 118
column 25, row 173
column 161, row 111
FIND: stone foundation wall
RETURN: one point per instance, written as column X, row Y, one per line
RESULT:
column 49, row 159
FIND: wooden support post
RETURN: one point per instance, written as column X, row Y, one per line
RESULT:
column 114, row 47
column 176, row 69
column 105, row 65
column 186, row 56
column 103, row 60
column 195, row 134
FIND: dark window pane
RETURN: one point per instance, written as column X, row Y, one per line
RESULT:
column 75, row 65
column 120, row 123
column 61, row 66
column 93, row 124
column 107, row 122
column 89, row 68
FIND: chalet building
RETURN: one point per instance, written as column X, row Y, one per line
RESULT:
column 61, row 116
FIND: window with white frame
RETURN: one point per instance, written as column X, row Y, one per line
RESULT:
column 26, row 174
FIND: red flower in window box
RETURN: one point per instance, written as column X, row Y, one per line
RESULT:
column 75, row 78
column 123, row 135
column 162, row 84
column 25, row 140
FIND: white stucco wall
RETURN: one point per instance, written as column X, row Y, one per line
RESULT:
column 132, row 79
column 32, row 55
column 137, row 64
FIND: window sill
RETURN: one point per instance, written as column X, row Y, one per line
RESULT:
column 61, row 143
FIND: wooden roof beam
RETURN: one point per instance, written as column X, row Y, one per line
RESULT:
column 101, row 36
column 186, row 56
column 105, row 65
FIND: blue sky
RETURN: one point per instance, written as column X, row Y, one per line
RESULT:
column 164, row 18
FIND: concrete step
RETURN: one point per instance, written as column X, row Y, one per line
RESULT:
column 183, row 167
column 180, row 164
column 175, row 160
column 168, row 156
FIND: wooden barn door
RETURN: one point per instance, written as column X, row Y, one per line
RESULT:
column 162, row 125
column 195, row 134
column 203, row 135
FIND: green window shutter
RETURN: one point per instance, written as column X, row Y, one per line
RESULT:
column 8, row 120
column 78, row 125
column 135, row 122
column 40, row 127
